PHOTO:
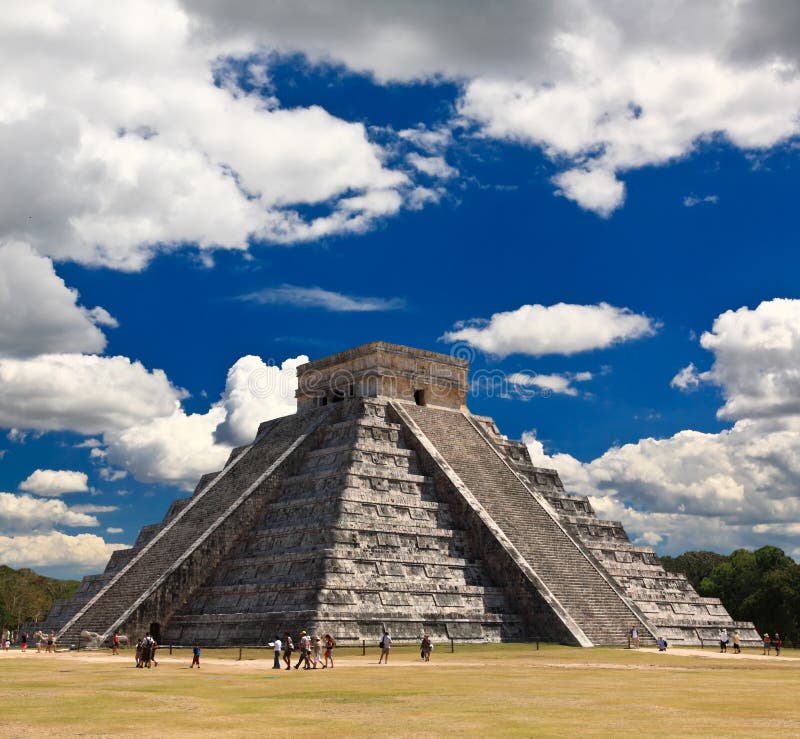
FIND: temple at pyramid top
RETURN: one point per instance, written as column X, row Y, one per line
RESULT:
column 378, row 369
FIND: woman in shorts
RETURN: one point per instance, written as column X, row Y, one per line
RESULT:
column 288, row 648
column 330, row 643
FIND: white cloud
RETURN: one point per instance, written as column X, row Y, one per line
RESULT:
column 24, row 513
column 256, row 392
column 92, row 508
column 316, row 297
column 176, row 449
column 757, row 359
column 114, row 530
column 61, row 554
column 433, row 166
column 116, row 142
column 55, row 482
column 111, row 475
column 735, row 488
column 556, row 329
column 82, row 393
column 560, row 384
column 686, row 379
column 596, row 189
column 691, row 200
column 40, row 313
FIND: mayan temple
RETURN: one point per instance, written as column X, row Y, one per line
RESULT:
column 384, row 503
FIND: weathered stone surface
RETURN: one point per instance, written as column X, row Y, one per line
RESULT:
column 384, row 504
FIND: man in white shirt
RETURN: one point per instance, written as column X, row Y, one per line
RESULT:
column 277, row 645
column 386, row 645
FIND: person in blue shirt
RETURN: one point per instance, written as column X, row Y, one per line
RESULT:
column 196, row 656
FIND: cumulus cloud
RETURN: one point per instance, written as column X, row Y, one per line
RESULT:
column 83, row 393
column 55, row 482
column 316, row 297
column 256, row 392
column 176, row 449
column 734, row 488
column 556, row 329
column 25, row 513
column 40, row 313
column 433, row 166
column 56, row 553
column 122, row 145
column 560, row 384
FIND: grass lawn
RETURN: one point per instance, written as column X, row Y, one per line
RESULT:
column 485, row 690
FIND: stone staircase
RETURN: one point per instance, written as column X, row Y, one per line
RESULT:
column 158, row 578
column 565, row 569
column 354, row 541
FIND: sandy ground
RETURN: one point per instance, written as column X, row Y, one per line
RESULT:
column 349, row 662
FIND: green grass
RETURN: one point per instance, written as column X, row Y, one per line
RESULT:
column 486, row 690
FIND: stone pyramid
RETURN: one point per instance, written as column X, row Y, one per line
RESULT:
column 383, row 503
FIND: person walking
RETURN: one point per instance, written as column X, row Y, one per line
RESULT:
column 115, row 643
column 426, row 648
column 195, row 656
column 723, row 640
column 316, row 646
column 737, row 642
column 767, row 644
column 276, row 647
column 330, row 643
column 386, row 646
column 305, row 650
column 634, row 634
column 777, row 643
column 23, row 641
column 288, row 648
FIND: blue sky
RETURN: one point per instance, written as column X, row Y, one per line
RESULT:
column 189, row 210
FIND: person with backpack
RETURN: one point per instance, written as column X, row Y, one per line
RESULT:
column 385, row 645
column 330, row 643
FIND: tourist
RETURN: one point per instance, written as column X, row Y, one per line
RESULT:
column 195, row 656
column 634, row 637
column 385, row 645
column 115, row 643
column 723, row 640
column 139, row 653
column 51, row 642
column 330, row 643
column 276, row 647
column 305, row 650
column 23, row 641
column 737, row 642
column 661, row 642
column 39, row 636
column 147, row 650
column 317, row 647
column 426, row 648
column 288, row 648
column 6, row 639
column 767, row 644
column 777, row 643
column 153, row 650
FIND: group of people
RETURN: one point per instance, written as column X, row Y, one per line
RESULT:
column 309, row 648
column 770, row 642
column 48, row 642
column 724, row 638
column 145, row 651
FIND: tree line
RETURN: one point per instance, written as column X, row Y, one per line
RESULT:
column 761, row 586
column 27, row 597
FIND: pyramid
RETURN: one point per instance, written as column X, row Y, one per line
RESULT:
column 383, row 503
